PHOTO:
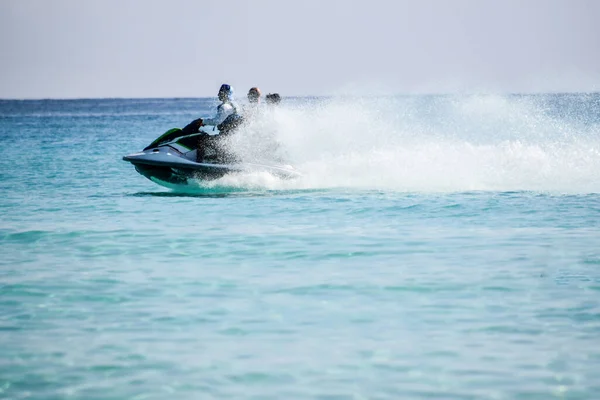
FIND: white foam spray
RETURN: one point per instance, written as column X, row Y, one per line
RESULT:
column 424, row 144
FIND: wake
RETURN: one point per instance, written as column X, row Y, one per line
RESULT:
column 424, row 144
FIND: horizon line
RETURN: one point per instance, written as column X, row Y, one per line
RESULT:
column 303, row 96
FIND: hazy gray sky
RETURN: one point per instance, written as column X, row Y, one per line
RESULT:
column 187, row 48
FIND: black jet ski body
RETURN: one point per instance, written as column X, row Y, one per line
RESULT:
column 176, row 157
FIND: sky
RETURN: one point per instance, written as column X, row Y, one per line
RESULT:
column 187, row 48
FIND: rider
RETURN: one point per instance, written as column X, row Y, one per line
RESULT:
column 226, row 109
column 226, row 120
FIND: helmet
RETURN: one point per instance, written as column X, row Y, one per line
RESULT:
column 226, row 90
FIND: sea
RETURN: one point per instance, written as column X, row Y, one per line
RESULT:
column 435, row 247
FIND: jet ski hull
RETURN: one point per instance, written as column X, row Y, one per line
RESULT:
column 166, row 164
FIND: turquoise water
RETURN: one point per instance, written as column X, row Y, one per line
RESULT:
column 438, row 247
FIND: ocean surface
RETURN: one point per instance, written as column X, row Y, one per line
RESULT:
column 437, row 247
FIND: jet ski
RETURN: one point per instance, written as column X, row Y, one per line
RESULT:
column 179, row 157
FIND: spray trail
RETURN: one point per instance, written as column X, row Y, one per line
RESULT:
column 430, row 143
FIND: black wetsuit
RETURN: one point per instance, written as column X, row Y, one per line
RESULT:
column 215, row 143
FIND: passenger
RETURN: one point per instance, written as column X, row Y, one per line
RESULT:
column 273, row 98
column 254, row 95
column 253, row 108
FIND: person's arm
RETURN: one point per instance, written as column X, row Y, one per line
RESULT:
column 222, row 112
